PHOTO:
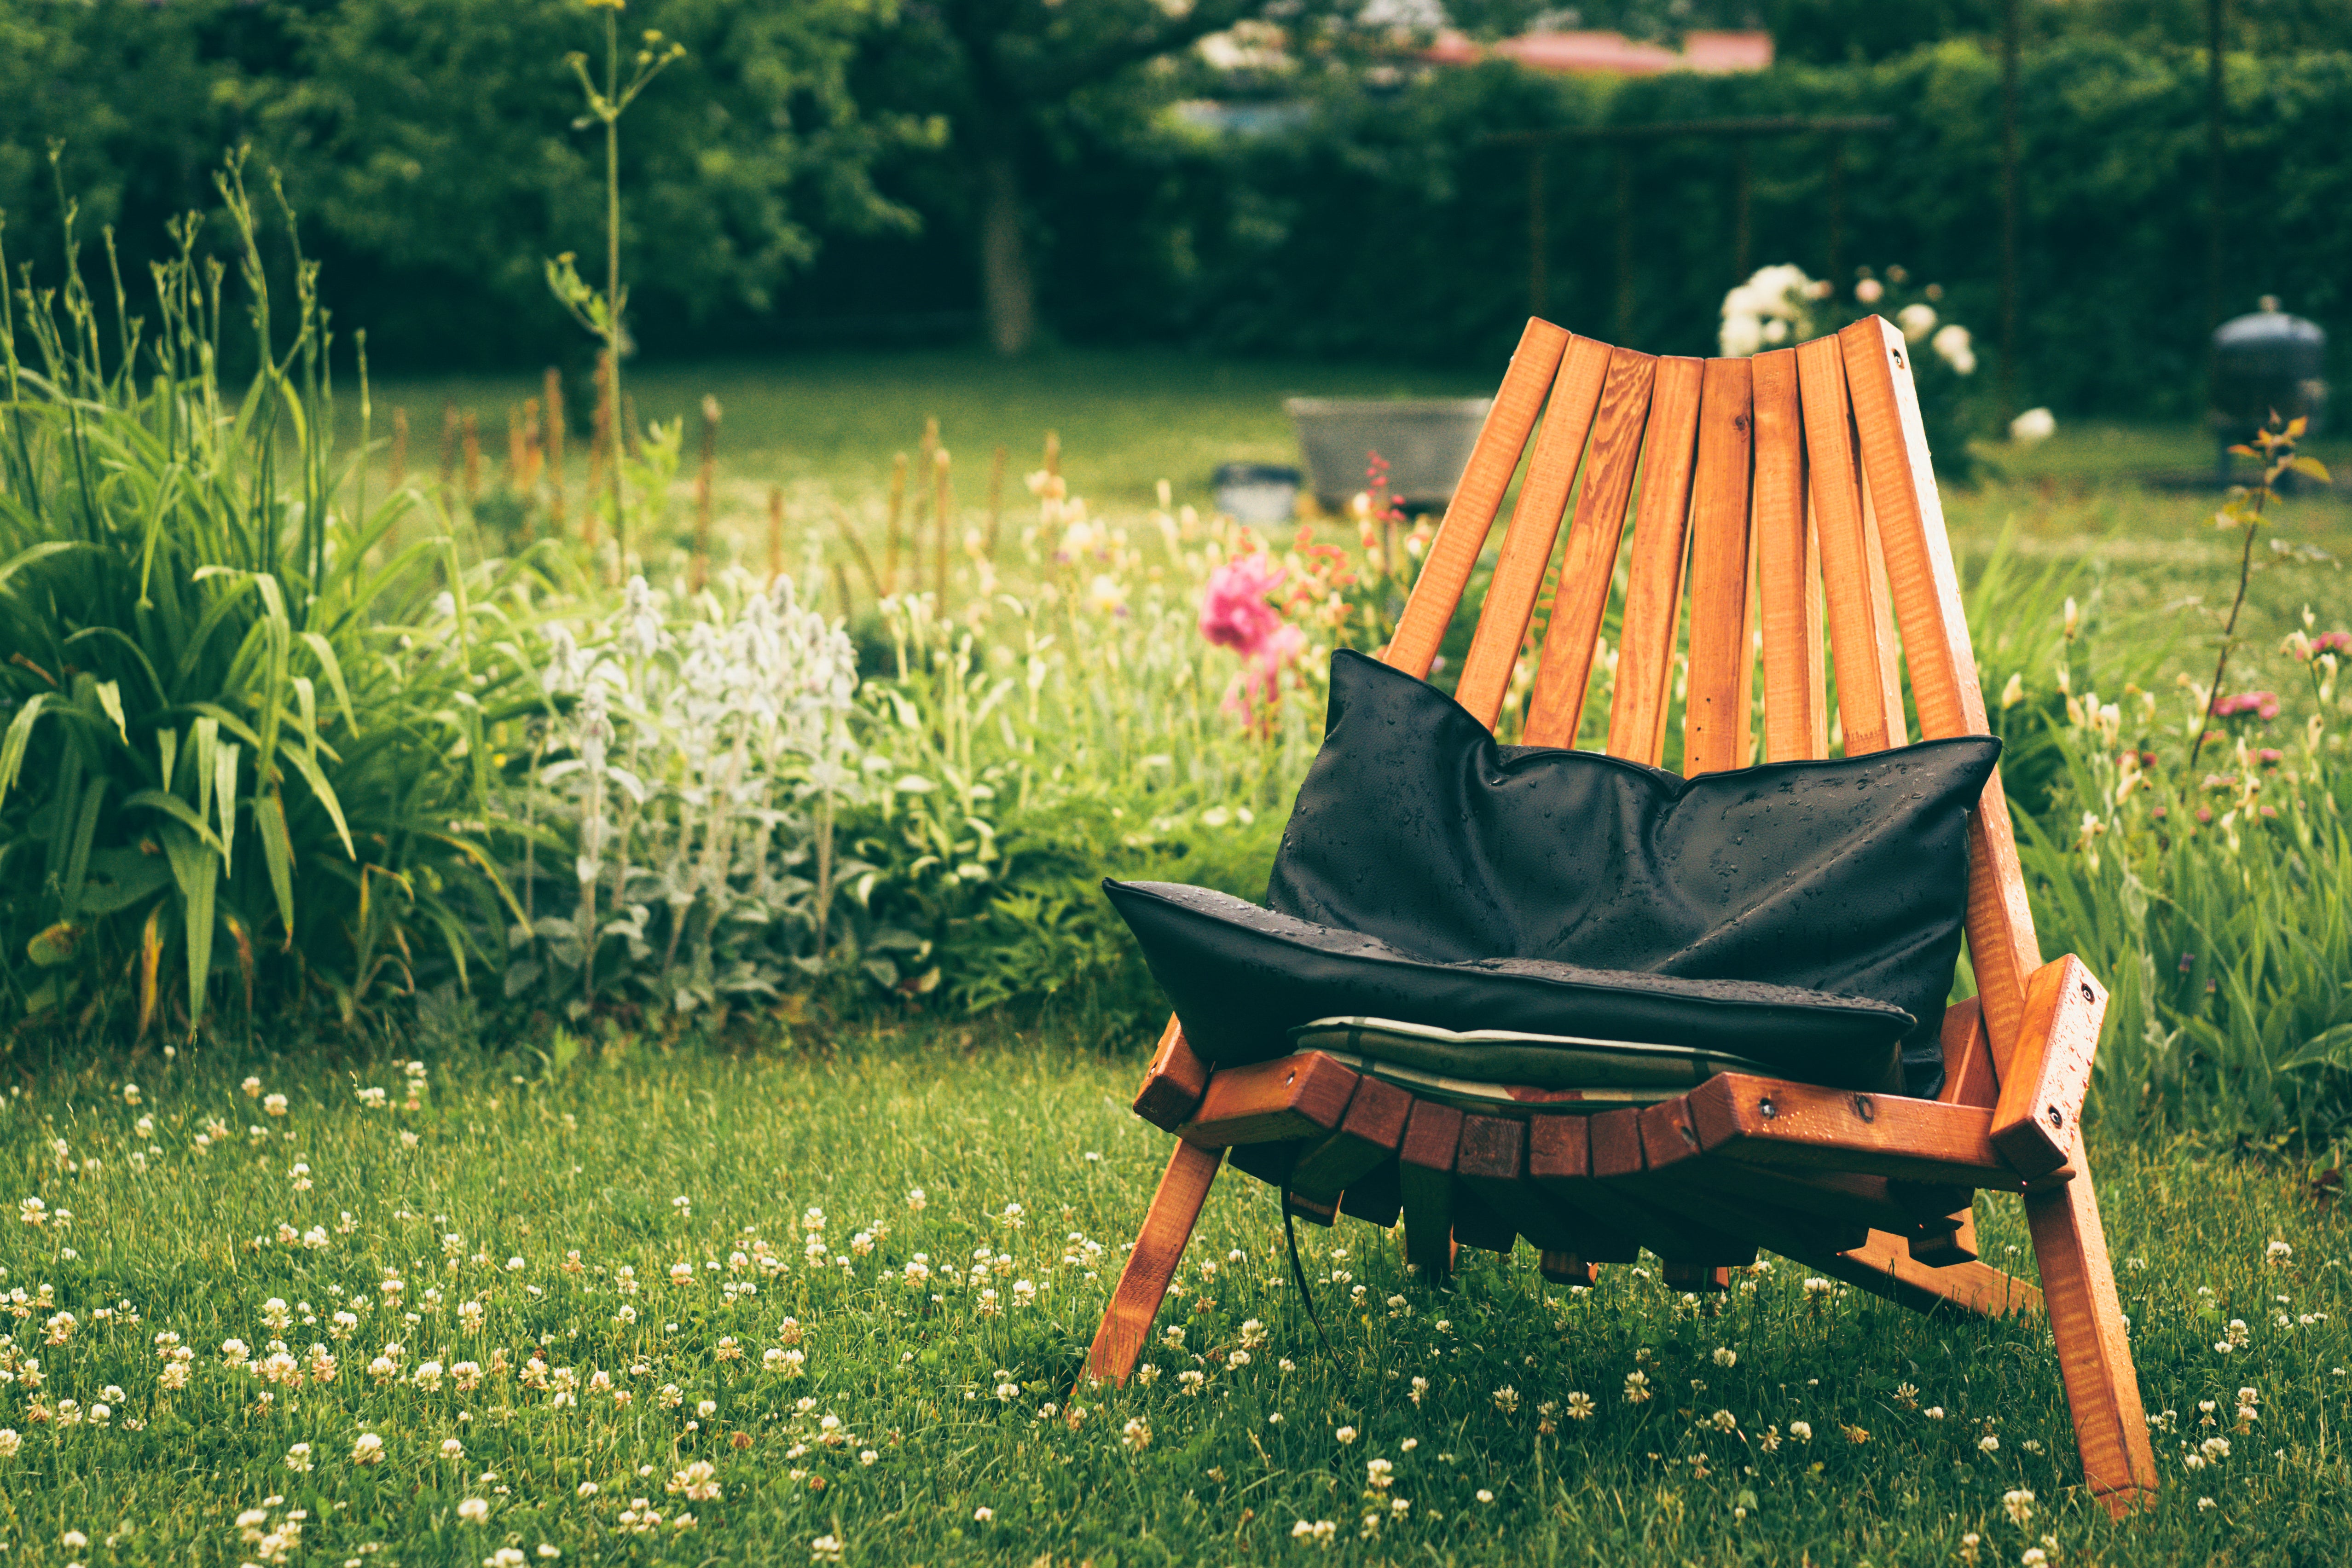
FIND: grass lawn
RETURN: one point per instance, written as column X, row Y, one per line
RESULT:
column 649, row 1284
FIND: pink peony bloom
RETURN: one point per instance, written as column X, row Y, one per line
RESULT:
column 1236, row 613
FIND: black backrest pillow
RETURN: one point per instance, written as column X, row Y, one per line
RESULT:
column 1848, row 876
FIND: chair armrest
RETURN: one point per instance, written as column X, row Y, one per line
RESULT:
column 2037, row 1124
column 1174, row 1082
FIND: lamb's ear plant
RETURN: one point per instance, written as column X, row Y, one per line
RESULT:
column 238, row 745
column 601, row 311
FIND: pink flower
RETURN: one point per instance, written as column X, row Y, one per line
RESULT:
column 1236, row 613
column 2261, row 705
column 2332, row 642
column 1257, row 684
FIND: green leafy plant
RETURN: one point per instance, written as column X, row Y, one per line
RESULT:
column 2243, row 512
column 219, row 745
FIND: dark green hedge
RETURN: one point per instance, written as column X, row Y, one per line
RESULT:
column 782, row 191
column 1395, row 228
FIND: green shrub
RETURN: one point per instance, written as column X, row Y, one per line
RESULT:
column 223, row 760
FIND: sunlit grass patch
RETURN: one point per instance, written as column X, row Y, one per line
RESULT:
column 681, row 1307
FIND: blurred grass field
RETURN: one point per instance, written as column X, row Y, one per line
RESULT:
column 2119, row 500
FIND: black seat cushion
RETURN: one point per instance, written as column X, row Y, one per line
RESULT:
column 1241, row 978
column 1844, row 880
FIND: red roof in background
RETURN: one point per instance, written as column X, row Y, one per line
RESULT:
column 1614, row 54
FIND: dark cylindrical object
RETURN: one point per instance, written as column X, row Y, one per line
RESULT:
column 2264, row 363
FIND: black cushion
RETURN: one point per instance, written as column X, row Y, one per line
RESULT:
column 1846, row 879
column 1241, row 978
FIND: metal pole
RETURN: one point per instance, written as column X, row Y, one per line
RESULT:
column 2008, row 211
column 2213, row 147
column 1624, row 244
column 1837, row 211
column 1538, row 284
column 1742, row 233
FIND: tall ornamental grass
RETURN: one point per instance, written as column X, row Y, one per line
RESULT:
column 226, row 771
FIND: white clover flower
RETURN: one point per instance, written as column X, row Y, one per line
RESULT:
column 368, row 1450
column 1916, row 321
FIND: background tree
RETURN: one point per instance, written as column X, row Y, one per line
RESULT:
column 430, row 148
column 998, row 68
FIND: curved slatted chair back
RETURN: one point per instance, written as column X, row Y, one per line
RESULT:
column 1783, row 508
column 1766, row 486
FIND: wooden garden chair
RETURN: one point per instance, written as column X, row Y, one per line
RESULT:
column 1773, row 488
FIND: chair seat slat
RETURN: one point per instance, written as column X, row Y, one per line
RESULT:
column 1534, row 528
column 1556, row 706
column 1479, row 495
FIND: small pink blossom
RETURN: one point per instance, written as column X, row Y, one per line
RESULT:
column 2261, row 705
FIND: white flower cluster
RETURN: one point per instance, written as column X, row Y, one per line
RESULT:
column 692, row 760
column 1772, row 307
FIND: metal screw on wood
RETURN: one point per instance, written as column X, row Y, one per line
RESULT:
column 2057, row 1117
column 1764, row 1108
column 1864, row 1109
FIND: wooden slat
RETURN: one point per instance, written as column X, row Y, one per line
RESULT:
column 2094, row 1351
column 1315, row 1211
column 1884, row 1266
column 2038, row 1120
column 1421, row 630
column 1276, row 1101
column 1773, row 1121
column 1646, row 660
column 1159, row 1246
column 1796, row 716
column 1711, row 1193
column 1559, row 1162
column 1492, row 1163
column 1173, row 1084
column 1373, row 1197
column 1967, row 1081
column 1565, row 1269
column 1696, row 1278
column 1534, row 527
column 1366, row 1137
column 1269, row 1163
column 1967, row 1058
column 1556, row 705
column 1663, row 1222
column 1426, row 1186
column 1870, row 704
column 1477, row 1223
column 1882, row 619
column 2003, row 948
column 1715, row 707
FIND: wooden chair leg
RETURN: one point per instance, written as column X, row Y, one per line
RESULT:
column 2078, row 1288
column 1159, row 1247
